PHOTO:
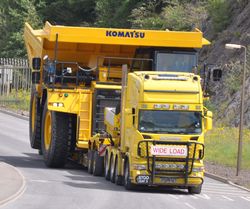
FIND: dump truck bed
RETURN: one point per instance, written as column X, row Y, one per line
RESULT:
column 84, row 44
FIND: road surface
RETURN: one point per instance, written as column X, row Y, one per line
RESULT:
column 73, row 188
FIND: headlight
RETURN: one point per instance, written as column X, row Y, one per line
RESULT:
column 169, row 166
column 139, row 167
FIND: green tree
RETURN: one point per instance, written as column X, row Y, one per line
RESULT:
column 114, row 13
column 14, row 13
column 69, row 12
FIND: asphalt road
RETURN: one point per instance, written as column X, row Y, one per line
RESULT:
column 73, row 188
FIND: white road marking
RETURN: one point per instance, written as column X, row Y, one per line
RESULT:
column 204, row 196
column 245, row 198
column 194, row 197
column 39, row 181
column 19, row 193
column 227, row 198
column 226, row 193
column 190, row 206
column 173, row 196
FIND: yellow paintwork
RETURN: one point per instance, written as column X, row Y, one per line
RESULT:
column 78, row 102
column 141, row 93
column 85, row 45
column 47, row 131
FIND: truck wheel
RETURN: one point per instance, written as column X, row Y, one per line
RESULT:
column 55, row 137
column 112, row 170
column 98, row 164
column 106, row 168
column 35, row 120
column 195, row 190
column 127, row 182
column 90, row 161
column 118, row 179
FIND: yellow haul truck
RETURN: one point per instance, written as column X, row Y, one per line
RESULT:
column 125, row 103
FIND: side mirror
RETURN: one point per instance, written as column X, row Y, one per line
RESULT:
column 209, row 120
column 35, row 77
column 216, row 74
column 36, row 63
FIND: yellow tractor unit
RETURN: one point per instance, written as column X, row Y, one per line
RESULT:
column 127, row 104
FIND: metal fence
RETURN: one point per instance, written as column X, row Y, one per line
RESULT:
column 15, row 82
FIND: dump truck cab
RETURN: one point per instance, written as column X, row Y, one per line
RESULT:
column 166, row 59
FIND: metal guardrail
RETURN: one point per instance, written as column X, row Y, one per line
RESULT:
column 15, row 82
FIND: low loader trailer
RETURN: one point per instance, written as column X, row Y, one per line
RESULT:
column 127, row 104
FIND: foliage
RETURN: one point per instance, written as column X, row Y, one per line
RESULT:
column 68, row 12
column 233, row 77
column 147, row 14
column 219, row 11
column 13, row 14
column 114, row 13
column 16, row 100
column 176, row 15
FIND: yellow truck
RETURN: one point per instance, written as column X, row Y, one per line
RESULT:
column 127, row 104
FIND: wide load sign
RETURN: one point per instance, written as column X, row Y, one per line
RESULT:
column 168, row 150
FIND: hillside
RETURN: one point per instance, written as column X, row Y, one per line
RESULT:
column 225, row 98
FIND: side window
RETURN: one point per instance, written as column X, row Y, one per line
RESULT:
column 142, row 65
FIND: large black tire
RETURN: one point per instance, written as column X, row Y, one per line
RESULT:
column 35, row 120
column 98, row 164
column 55, row 147
column 90, row 161
column 127, row 182
column 118, row 178
column 195, row 189
column 106, row 168
column 112, row 170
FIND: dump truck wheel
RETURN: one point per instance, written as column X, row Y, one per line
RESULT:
column 55, row 138
column 127, row 182
column 106, row 168
column 112, row 170
column 195, row 190
column 98, row 164
column 35, row 120
column 90, row 161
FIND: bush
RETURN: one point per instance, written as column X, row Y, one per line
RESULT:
column 176, row 16
column 219, row 11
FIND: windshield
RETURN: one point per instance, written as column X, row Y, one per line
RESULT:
column 172, row 122
column 177, row 62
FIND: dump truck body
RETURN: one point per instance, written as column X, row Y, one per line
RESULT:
column 87, row 105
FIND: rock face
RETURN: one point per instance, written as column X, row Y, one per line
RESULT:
column 226, row 95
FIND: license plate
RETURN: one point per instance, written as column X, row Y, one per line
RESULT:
column 168, row 180
column 167, row 150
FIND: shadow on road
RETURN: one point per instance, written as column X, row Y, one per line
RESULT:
column 78, row 175
column 82, row 179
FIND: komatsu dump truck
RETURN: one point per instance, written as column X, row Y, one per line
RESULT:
column 127, row 104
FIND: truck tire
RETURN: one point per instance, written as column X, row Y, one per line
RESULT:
column 90, row 161
column 35, row 120
column 195, row 189
column 112, row 170
column 118, row 178
column 98, row 164
column 55, row 137
column 106, row 168
column 127, row 182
